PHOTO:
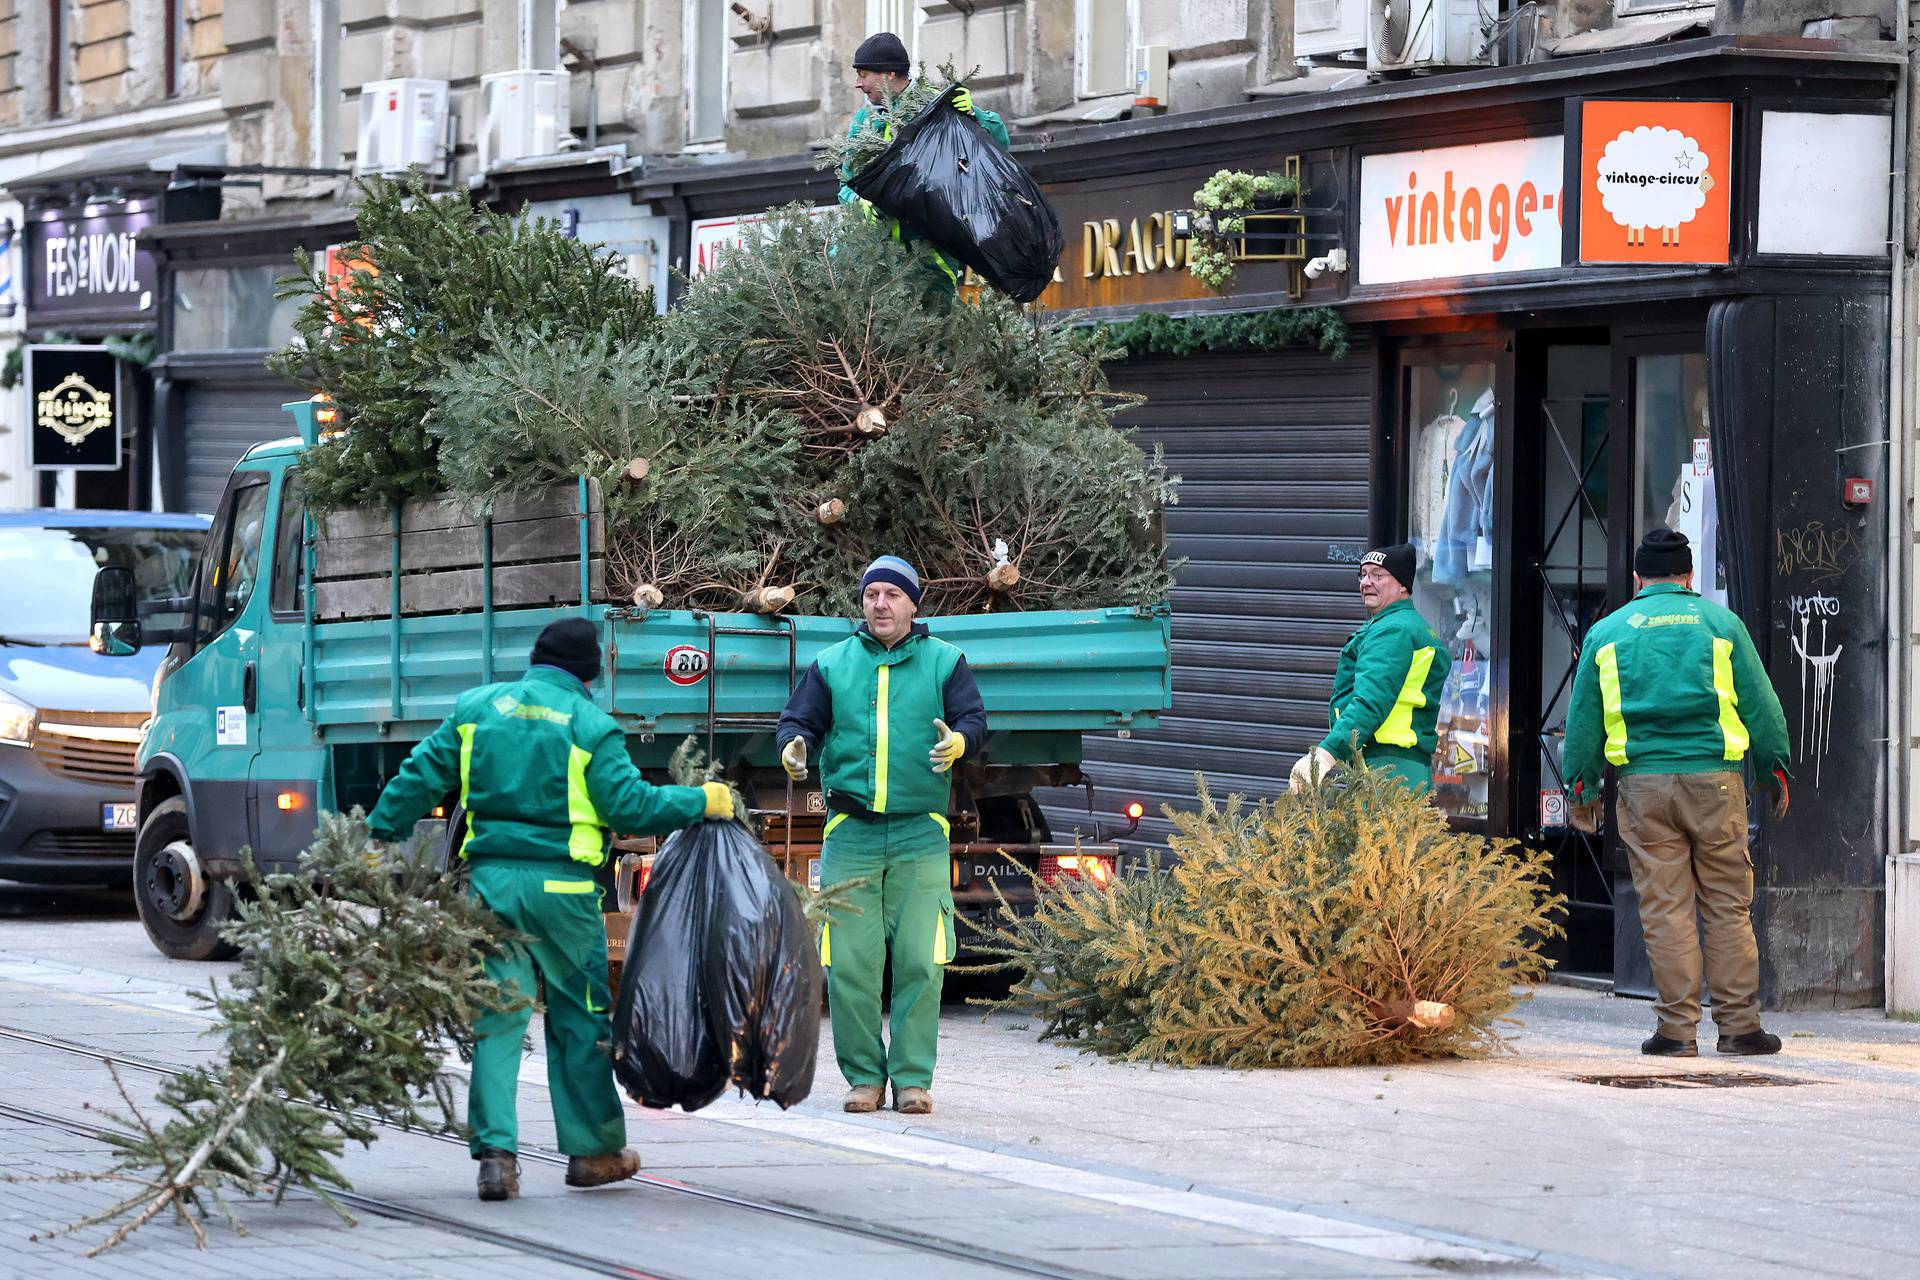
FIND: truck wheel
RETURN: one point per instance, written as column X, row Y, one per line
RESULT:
column 182, row 909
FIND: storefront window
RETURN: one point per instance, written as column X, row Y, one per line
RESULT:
column 217, row 308
column 1676, row 489
column 1452, row 420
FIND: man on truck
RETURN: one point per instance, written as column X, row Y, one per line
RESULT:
column 882, row 72
column 890, row 710
column 1385, row 708
column 543, row 774
column 1671, row 693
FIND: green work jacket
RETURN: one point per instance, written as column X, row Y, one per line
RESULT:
column 1386, row 691
column 869, row 710
column 1670, row 683
column 542, row 772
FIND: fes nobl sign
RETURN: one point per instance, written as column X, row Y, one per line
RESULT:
column 94, row 263
column 75, row 397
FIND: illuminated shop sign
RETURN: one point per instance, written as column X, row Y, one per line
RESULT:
column 1492, row 208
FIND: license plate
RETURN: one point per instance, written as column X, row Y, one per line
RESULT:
column 992, row 870
column 813, row 874
column 119, row 817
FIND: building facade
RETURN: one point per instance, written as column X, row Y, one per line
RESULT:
column 1535, row 360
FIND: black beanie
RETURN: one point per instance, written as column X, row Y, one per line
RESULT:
column 882, row 52
column 1664, row 553
column 1397, row 560
column 571, row 644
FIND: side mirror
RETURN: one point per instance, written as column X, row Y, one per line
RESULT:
column 115, row 620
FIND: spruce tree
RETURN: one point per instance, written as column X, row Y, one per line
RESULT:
column 357, row 972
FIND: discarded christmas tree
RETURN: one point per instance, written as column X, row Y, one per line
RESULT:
column 1345, row 926
column 806, row 408
column 357, row 971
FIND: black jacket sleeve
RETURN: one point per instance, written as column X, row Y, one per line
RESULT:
column 966, row 713
column 809, row 712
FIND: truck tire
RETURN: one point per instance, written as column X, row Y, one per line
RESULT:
column 181, row 917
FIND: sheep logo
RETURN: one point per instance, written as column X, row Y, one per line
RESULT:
column 1653, row 177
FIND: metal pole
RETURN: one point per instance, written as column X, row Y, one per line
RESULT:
column 393, row 624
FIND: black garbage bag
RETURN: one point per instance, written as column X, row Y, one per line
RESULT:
column 950, row 182
column 722, row 982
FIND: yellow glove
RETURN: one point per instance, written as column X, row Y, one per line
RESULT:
column 719, row 800
column 948, row 747
column 868, row 212
column 793, row 758
column 1312, row 768
column 963, row 101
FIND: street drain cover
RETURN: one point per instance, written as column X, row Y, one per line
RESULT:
column 1693, row 1080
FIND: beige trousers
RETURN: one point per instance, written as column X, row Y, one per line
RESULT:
column 1686, row 836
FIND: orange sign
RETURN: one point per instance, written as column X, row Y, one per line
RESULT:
column 1656, row 181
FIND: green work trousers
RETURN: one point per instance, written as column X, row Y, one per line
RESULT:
column 1414, row 769
column 906, row 909
column 558, row 907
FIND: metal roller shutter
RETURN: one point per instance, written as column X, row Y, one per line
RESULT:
column 220, row 421
column 1272, row 450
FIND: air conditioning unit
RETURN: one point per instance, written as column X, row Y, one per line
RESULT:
column 403, row 126
column 523, row 113
column 1406, row 35
column 1330, row 27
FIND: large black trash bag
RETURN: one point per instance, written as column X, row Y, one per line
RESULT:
column 722, row 983
column 948, row 180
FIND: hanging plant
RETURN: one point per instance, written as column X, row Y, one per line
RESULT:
column 1223, row 202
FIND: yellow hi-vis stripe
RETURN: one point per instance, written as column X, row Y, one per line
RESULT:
column 1609, row 664
column 586, row 843
column 826, row 945
column 466, row 765
column 1732, row 728
column 1397, row 729
column 946, row 828
column 880, row 746
column 570, row 886
column 942, row 950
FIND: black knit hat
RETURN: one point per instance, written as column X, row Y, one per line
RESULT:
column 882, row 52
column 571, row 644
column 1397, row 560
column 1663, row 553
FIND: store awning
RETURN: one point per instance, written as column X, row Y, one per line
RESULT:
column 136, row 159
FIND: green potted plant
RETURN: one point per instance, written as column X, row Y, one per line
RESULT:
column 1221, row 205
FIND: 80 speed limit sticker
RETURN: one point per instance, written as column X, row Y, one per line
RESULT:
column 685, row 664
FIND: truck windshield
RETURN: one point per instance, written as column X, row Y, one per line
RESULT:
column 49, row 574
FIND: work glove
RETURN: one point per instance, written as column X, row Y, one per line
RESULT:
column 1779, row 794
column 963, row 101
column 948, row 747
column 719, row 800
column 1586, row 817
column 870, row 213
column 793, row 758
column 1313, row 768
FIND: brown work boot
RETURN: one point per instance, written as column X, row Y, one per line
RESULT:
column 912, row 1101
column 597, row 1171
column 863, row 1098
column 499, row 1177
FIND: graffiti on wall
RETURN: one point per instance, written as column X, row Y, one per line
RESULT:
column 1818, row 664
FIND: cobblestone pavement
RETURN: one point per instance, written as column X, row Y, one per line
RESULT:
column 1514, row 1167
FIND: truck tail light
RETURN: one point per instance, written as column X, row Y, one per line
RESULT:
column 288, row 801
column 1084, row 866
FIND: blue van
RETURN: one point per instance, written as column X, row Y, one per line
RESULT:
column 71, row 719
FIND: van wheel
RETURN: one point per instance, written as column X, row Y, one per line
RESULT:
column 182, row 909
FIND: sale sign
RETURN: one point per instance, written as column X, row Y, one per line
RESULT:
column 1656, row 181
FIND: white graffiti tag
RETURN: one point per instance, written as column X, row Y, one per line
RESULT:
column 1816, row 733
column 1814, row 606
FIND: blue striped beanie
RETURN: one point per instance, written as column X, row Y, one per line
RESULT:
column 894, row 570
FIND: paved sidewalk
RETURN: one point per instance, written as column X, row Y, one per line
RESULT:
column 1097, row 1226
column 1516, row 1164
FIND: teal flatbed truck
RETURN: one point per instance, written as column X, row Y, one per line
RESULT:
column 316, row 655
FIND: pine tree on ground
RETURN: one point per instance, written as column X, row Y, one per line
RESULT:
column 357, row 972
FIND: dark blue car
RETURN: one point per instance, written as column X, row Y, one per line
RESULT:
column 71, row 719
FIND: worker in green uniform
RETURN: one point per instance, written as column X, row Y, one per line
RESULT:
column 1386, row 691
column 882, row 72
column 890, row 710
column 1670, row 692
column 543, row 774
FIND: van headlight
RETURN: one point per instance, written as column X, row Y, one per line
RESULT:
column 16, row 721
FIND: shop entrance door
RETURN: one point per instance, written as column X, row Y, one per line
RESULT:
column 1565, row 453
